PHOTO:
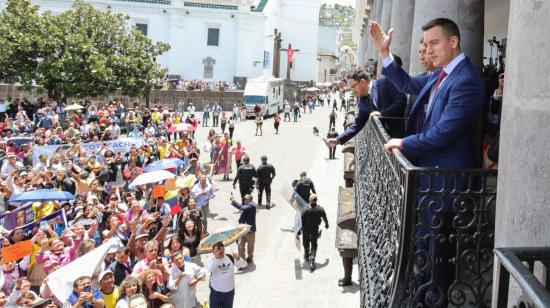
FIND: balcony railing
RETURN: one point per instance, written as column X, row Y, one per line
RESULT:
column 510, row 262
column 425, row 235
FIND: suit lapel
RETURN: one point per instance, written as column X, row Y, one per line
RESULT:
column 425, row 90
column 444, row 87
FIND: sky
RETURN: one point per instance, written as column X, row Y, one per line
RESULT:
column 343, row 2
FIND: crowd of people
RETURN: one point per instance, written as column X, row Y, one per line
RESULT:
column 95, row 152
column 179, row 84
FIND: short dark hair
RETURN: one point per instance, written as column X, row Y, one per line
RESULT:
column 218, row 244
column 79, row 279
column 450, row 28
column 361, row 74
column 397, row 59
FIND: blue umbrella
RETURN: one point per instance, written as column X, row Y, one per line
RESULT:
column 42, row 195
column 163, row 164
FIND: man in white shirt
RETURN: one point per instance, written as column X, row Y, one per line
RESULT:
column 10, row 164
column 191, row 109
column 222, row 279
column 184, row 277
column 115, row 130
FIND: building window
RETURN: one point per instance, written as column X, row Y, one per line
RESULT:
column 213, row 37
column 142, row 28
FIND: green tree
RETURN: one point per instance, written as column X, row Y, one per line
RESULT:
column 81, row 52
column 23, row 42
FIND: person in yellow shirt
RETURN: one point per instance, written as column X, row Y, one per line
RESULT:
column 164, row 149
column 155, row 117
column 107, row 287
column 44, row 208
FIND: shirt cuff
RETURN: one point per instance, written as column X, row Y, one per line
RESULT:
column 387, row 60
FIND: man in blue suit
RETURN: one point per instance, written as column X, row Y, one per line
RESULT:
column 441, row 132
column 442, row 127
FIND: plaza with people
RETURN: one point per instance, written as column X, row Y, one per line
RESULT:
column 128, row 194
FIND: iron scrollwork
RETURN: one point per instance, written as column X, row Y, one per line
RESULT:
column 415, row 225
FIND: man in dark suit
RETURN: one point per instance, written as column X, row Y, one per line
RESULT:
column 442, row 132
column 389, row 102
column 360, row 83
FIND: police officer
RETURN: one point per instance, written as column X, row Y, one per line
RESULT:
column 265, row 175
column 304, row 187
column 311, row 220
column 245, row 177
column 332, row 150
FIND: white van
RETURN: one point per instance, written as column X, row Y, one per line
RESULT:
column 267, row 92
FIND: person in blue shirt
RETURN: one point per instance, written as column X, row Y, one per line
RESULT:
column 84, row 295
column 248, row 216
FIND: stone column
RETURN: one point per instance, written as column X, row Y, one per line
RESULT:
column 376, row 14
column 402, row 18
column 468, row 14
column 523, row 199
column 385, row 21
column 385, row 17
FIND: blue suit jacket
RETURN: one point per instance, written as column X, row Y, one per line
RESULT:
column 390, row 103
column 447, row 137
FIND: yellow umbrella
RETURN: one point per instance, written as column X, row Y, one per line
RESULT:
column 73, row 107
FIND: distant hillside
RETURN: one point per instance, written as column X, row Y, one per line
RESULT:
column 340, row 16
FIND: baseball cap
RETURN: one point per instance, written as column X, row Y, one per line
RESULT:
column 142, row 236
column 103, row 274
column 248, row 196
column 263, row 157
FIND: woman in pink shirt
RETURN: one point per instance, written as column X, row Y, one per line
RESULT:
column 238, row 150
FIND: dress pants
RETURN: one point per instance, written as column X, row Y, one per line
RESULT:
column 332, row 153
column 309, row 241
column 348, row 267
column 267, row 188
column 248, row 241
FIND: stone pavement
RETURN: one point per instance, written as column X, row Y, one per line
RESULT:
column 279, row 277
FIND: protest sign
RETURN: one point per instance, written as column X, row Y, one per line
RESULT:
column 18, row 217
column 121, row 145
column 16, row 251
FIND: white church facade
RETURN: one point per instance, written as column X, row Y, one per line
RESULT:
column 221, row 39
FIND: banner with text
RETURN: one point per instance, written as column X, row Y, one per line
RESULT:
column 121, row 145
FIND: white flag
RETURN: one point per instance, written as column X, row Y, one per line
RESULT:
column 61, row 281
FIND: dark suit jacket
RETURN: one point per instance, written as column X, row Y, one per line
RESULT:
column 390, row 103
column 447, row 136
column 362, row 116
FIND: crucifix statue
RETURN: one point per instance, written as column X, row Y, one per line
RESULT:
column 290, row 53
column 277, row 54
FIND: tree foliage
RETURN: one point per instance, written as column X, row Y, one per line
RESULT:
column 80, row 52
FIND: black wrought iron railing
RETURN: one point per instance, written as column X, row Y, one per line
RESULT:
column 425, row 235
column 520, row 264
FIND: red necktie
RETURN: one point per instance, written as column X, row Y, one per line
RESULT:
column 440, row 78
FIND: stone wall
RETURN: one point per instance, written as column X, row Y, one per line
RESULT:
column 164, row 98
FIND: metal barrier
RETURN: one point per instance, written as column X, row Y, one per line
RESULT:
column 425, row 235
column 510, row 261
